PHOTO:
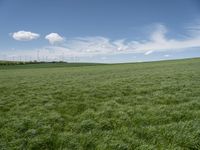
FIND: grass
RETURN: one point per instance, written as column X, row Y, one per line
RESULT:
column 106, row 107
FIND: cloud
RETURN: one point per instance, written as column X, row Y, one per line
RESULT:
column 91, row 45
column 167, row 55
column 25, row 36
column 158, row 42
column 83, row 47
column 54, row 38
column 158, row 36
column 148, row 52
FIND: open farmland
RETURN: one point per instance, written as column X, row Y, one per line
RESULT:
column 105, row 107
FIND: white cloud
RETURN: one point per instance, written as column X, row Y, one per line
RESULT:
column 148, row 52
column 54, row 38
column 91, row 45
column 167, row 55
column 157, row 43
column 83, row 47
column 158, row 36
column 120, row 45
column 25, row 36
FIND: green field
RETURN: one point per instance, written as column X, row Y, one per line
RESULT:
column 105, row 107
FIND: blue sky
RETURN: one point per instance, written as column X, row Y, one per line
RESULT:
column 99, row 30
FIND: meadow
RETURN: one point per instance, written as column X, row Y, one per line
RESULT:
column 143, row 106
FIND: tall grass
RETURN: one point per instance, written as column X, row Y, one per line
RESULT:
column 105, row 107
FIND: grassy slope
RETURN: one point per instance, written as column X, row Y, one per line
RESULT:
column 125, row 106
